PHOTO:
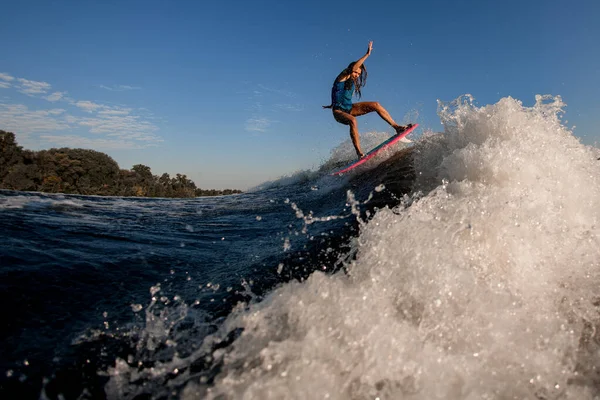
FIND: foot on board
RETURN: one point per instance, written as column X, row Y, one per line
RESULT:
column 400, row 128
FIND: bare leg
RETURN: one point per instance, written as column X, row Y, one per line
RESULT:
column 356, row 139
column 347, row 119
column 366, row 107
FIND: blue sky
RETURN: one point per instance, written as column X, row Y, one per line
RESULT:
column 230, row 92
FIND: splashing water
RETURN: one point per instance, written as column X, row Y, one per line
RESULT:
column 484, row 284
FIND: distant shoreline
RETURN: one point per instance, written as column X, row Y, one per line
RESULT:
column 37, row 192
column 87, row 172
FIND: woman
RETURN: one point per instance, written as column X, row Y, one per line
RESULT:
column 347, row 83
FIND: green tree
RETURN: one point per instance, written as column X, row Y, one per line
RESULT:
column 85, row 171
column 10, row 153
column 22, row 177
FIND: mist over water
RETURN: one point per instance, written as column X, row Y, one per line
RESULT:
column 486, row 286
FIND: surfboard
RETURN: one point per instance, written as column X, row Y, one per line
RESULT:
column 376, row 150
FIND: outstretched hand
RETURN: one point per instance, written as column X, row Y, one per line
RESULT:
column 370, row 48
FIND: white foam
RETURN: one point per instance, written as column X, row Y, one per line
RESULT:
column 480, row 289
column 19, row 201
column 14, row 202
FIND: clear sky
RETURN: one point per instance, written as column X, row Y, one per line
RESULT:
column 230, row 92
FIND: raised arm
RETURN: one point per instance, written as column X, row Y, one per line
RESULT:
column 361, row 60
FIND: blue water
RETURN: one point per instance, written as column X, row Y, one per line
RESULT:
column 468, row 269
column 77, row 270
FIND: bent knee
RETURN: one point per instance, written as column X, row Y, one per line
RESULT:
column 343, row 118
column 370, row 106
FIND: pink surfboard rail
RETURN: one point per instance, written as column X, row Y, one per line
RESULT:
column 376, row 150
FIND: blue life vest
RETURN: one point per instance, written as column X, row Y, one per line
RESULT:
column 341, row 95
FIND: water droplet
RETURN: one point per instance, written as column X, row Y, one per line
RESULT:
column 136, row 307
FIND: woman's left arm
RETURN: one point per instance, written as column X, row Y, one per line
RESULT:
column 361, row 60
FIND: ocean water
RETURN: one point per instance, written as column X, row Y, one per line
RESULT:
column 480, row 282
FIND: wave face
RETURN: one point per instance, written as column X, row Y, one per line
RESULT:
column 486, row 286
column 481, row 281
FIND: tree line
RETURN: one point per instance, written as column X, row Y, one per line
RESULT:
column 87, row 172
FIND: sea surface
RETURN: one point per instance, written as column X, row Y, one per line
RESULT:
column 482, row 281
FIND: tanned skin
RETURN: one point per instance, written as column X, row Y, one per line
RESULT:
column 354, row 71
